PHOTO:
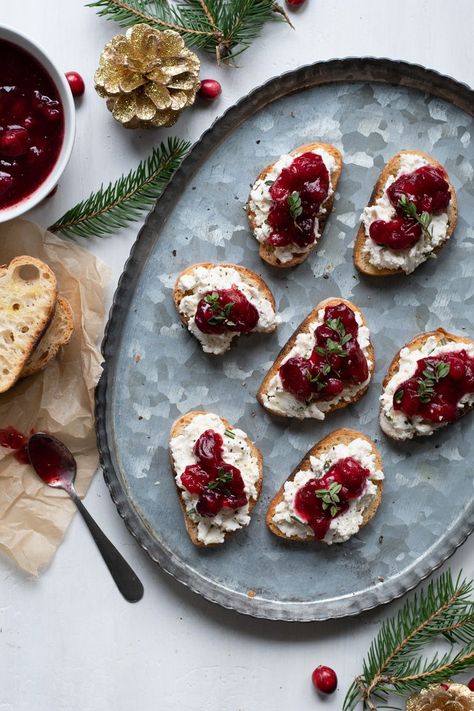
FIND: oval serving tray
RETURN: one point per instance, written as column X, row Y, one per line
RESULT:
column 155, row 370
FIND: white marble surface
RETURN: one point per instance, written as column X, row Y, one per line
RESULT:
column 68, row 642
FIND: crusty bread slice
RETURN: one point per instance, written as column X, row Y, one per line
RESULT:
column 306, row 326
column 191, row 526
column 391, row 168
column 341, row 436
column 57, row 334
column 414, row 344
column 267, row 252
column 28, row 292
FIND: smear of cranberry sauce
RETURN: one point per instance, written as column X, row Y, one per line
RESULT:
column 223, row 310
column 336, row 361
column 308, row 178
column 321, row 500
column 11, row 438
column 218, row 485
column 434, row 391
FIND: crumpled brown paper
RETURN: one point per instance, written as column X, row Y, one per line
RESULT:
column 60, row 400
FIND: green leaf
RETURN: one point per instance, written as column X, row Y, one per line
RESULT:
column 116, row 205
column 410, row 211
column 399, row 395
column 294, row 203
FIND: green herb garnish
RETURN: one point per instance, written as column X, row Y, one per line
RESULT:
column 432, row 374
column 399, row 396
column 296, row 208
column 330, row 498
column 221, row 314
column 410, row 211
column 229, row 433
column 221, row 480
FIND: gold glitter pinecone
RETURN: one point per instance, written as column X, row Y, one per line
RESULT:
column 147, row 76
column 456, row 697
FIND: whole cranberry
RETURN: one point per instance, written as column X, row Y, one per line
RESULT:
column 14, row 142
column 295, row 3
column 210, row 89
column 324, row 679
column 471, row 684
column 457, row 369
column 352, row 474
column 76, row 83
column 6, row 182
column 296, row 376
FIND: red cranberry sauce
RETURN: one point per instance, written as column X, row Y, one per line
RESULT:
column 224, row 310
column 428, row 189
column 217, row 484
column 336, row 361
column 321, row 500
column 297, row 195
column 11, row 438
column 436, row 387
column 31, row 124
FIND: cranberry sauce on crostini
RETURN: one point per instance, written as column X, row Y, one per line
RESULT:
column 223, row 310
column 31, row 124
column 337, row 360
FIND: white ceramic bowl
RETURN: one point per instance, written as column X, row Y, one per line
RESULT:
column 11, row 35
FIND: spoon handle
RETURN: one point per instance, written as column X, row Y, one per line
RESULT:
column 127, row 582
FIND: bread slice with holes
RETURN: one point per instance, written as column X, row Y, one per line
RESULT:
column 28, row 293
column 287, row 257
column 409, row 258
column 57, row 335
column 283, row 521
column 238, row 450
column 395, row 423
column 279, row 402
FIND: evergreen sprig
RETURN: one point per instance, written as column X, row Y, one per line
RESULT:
column 393, row 663
column 125, row 200
column 226, row 27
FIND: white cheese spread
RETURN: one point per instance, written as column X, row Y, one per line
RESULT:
column 394, row 422
column 236, row 451
column 260, row 202
column 199, row 281
column 280, row 402
column 347, row 524
column 408, row 259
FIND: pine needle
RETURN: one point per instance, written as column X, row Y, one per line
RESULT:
column 125, row 200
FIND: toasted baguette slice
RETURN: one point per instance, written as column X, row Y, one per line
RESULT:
column 361, row 260
column 28, row 293
column 341, row 436
column 307, row 326
column 267, row 252
column 192, row 526
column 57, row 334
column 249, row 277
column 441, row 337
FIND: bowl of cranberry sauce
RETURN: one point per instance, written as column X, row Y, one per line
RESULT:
column 37, row 124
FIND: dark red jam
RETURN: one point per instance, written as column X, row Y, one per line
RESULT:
column 226, row 310
column 217, row 484
column 438, row 384
column 428, row 191
column 321, row 500
column 297, row 195
column 336, row 362
column 11, row 438
column 31, row 124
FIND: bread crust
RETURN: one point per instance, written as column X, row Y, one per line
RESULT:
column 361, row 261
column 340, row 436
column 267, row 252
column 57, row 334
column 416, row 342
column 191, row 526
column 305, row 327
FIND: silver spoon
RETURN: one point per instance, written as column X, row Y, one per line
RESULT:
column 56, row 466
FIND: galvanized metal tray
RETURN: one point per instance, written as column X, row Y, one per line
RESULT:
column 155, row 370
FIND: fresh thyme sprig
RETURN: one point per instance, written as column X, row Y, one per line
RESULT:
column 221, row 480
column 409, row 208
column 316, row 379
column 222, row 314
column 330, row 498
column 432, row 374
column 229, row 433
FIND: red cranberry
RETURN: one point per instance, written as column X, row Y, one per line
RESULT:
column 76, row 83
column 325, row 679
column 471, row 684
column 351, row 474
column 295, row 3
column 295, row 376
column 332, row 388
column 194, row 479
column 444, row 686
column 426, row 187
column 49, row 108
column 210, row 88
column 14, row 142
column 6, row 182
column 398, row 233
column 208, row 448
column 345, row 314
column 226, row 310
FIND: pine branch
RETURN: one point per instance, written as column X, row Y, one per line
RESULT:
column 114, row 206
column 393, row 662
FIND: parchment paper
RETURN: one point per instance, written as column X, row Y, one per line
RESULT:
column 33, row 517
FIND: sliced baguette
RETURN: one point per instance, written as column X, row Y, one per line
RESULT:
column 192, row 526
column 28, row 292
column 267, row 252
column 341, row 436
column 391, row 168
column 414, row 344
column 57, row 335
column 306, row 327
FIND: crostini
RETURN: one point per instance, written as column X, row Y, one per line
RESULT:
column 218, row 472
column 291, row 200
column 411, row 215
column 333, row 492
column 326, row 364
column 429, row 384
column 218, row 302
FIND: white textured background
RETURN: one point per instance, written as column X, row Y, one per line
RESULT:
column 68, row 642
